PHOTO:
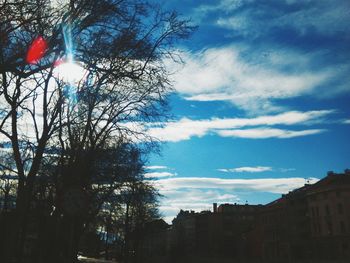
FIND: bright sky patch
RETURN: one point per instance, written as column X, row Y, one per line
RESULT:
column 263, row 91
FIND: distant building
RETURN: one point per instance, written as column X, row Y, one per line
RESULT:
column 221, row 233
column 328, row 209
column 311, row 222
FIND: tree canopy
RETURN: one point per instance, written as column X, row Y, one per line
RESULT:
column 77, row 79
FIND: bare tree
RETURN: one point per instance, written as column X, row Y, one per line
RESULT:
column 119, row 44
column 8, row 182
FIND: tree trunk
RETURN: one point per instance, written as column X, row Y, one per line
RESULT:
column 126, row 238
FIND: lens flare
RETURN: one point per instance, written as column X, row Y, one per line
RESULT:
column 70, row 72
column 36, row 50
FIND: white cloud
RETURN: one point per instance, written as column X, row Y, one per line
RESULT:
column 197, row 196
column 256, row 169
column 224, row 5
column 264, row 133
column 285, row 170
column 324, row 16
column 159, row 174
column 271, row 185
column 202, row 11
column 156, row 167
column 198, row 193
column 192, row 199
column 346, row 121
column 186, row 128
column 223, row 74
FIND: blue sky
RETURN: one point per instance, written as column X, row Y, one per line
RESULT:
column 261, row 104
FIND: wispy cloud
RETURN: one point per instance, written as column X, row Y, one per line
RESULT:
column 247, row 169
column 200, row 12
column 322, row 16
column 156, row 167
column 279, row 50
column 265, row 133
column 186, row 128
column 346, row 121
column 159, row 174
column 224, row 74
column 198, row 193
column 198, row 196
column 285, row 170
column 193, row 199
column 271, row 185
column 255, row 169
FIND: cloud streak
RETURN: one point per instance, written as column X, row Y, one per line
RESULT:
column 186, row 128
column 254, row 169
column 225, row 74
column 278, row 50
column 247, row 169
column 193, row 199
column 198, row 193
column 159, row 174
column 156, row 167
column 265, row 133
column 271, row 185
column 322, row 17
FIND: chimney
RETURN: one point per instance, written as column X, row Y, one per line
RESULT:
column 215, row 207
column 330, row 173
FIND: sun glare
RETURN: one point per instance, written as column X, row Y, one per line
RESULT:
column 70, row 72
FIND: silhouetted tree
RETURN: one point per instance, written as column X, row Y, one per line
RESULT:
column 142, row 208
column 119, row 45
column 8, row 182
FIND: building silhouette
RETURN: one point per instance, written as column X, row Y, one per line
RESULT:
column 308, row 224
column 311, row 222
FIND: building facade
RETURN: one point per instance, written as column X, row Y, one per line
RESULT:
column 309, row 223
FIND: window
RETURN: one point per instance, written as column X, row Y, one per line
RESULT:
column 313, row 211
column 340, row 208
column 327, row 210
column 342, row 227
column 329, row 227
column 325, row 195
column 319, row 227
column 316, row 227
